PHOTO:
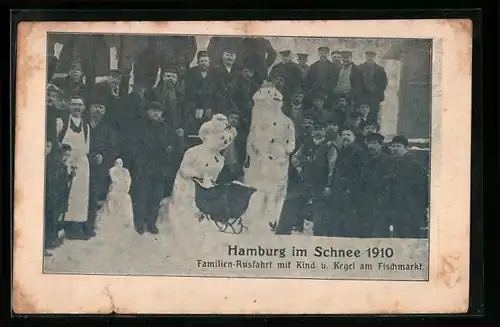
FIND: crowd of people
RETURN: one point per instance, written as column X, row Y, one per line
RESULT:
column 342, row 175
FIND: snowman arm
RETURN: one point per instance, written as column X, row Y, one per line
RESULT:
column 291, row 138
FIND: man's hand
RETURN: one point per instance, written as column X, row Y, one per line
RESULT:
column 169, row 149
column 98, row 159
column 299, row 169
column 327, row 191
column 179, row 132
column 72, row 172
column 60, row 234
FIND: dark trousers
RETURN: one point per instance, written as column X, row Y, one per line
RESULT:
column 147, row 193
column 292, row 214
column 323, row 219
column 344, row 214
column 51, row 217
column 374, row 111
column 98, row 186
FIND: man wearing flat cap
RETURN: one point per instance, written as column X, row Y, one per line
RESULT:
column 375, row 177
column 319, row 111
column 319, row 76
column 156, row 153
column 290, row 72
column 302, row 62
column 374, row 83
column 349, row 80
column 409, row 191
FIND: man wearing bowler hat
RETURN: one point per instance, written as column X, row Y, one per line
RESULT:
column 374, row 83
column 156, row 154
column 375, row 176
column 409, row 191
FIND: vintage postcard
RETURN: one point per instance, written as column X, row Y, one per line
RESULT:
column 288, row 167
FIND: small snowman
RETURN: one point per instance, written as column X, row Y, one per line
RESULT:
column 117, row 210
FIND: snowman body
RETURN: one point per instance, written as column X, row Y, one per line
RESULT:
column 270, row 142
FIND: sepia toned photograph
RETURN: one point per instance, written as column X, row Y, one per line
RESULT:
column 185, row 158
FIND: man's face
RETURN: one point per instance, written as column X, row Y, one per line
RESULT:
column 398, row 149
column 247, row 73
column 336, row 57
column 114, row 80
column 375, row 147
column 76, row 73
column 65, row 157
column 182, row 71
column 364, row 109
column 346, row 59
column 155, row 114
column 318, row 103
column 348, row 137
column 297, row 98
column 370, row 57
column 286, row 58
column 307, row 126
column 233, row 119
column 76, row 106
column 342, row 103
column 279, row 83
column 302, row 61
column 368, row 129
column 204, row 62
column 53, row 99
column 48, row 147
column 332, row 131
column 318, row 133
column 169, row 78
column 228, row 58
column 323, row 54
column 97, row 110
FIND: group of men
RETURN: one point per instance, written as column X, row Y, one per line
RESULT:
column 150, row 128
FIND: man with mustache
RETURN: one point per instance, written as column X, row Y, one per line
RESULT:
column 374, row 189
column 319, row 75
column 346, row 185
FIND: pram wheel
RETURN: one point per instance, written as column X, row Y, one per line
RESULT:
column 221, row 226
column 236, row 225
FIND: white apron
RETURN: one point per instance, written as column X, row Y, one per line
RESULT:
column 78, row 201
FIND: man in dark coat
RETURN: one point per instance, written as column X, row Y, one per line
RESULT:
column 55, row 109
column 225, row 79
column 217, row 46
column 336, row 58
column 374, row 83
column 103, row 153
column 199, row 100
column 346, row 186
column 290, row 72
column 167, row 94
column 75, row 82
column 260, row 52
column 374, row 193
column 109, row 93
column 349, row 80
column 320, row 73
column 156, row 156
column 302, row 62
column 295, row 110
column 409, row 192
column 319, row 111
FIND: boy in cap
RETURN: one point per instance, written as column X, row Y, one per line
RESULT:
column 156, row 152
column 409, row 191
column 375, row 83
column 374, row 189
column 319, row 112
column 302, row 62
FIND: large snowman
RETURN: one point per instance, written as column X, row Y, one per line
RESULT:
column 270, row 142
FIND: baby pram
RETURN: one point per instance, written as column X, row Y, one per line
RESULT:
column 224, row 204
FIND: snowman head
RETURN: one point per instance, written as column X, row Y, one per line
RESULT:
column 216, row 125
column 119, row 162
column 270, row 95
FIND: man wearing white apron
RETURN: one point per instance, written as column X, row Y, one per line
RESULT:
column 75, row 132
